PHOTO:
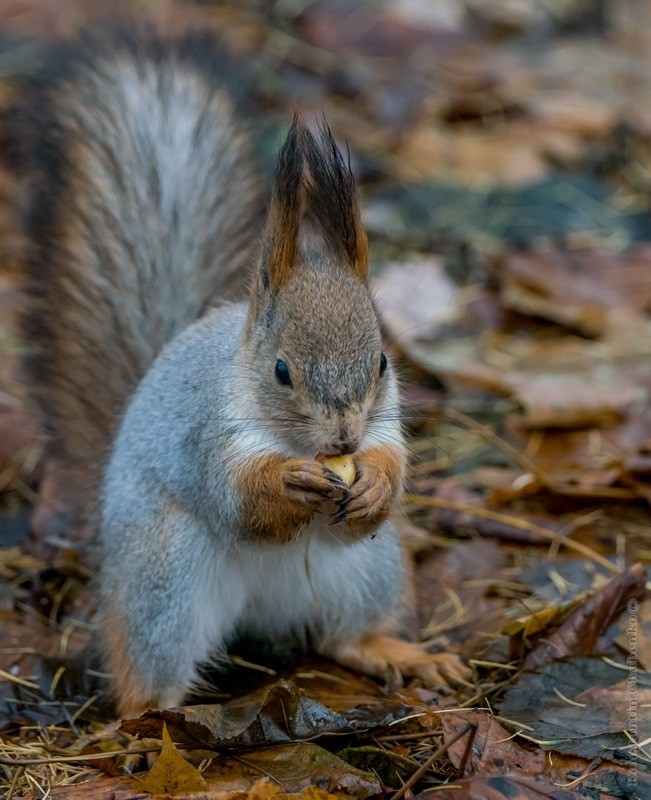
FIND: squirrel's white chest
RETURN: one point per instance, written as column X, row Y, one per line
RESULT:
column 310, row 584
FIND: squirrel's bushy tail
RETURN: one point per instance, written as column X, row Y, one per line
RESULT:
column 142, row 209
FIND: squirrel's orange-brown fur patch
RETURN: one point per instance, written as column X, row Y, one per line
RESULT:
column 269, row 513
column 280, row 495
column 384, row 460
column 131, row 693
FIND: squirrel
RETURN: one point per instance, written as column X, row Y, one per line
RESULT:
column 189, row 418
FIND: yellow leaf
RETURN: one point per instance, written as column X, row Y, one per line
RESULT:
column 534, row 623
column 264, row 789
column 172, row 773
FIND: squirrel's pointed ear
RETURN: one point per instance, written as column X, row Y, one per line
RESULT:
column 281, row 230
column 332, row 197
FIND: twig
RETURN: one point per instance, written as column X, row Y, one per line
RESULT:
column 405, row 737
column 491, row 690
column 514, row 522
column 434, row 757
column 466, row 752
column 7, row 676
column 241, row 662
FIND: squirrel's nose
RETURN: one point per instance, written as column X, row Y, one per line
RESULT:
column 346, row 443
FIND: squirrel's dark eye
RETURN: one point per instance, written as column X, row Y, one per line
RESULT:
column 383, row 364
column 282, row 373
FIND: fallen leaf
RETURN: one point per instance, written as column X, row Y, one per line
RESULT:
column 577, row 288
column 579, row 634
column 392, row 769
column 296, row 767
column 276, row 714
column 566, row 401
column 561, row 382
column 494, row 750
column 581, row 706
column 264, row 789
column 416, row 298
column 299, row 771
column 171, row 773
column 525, row 631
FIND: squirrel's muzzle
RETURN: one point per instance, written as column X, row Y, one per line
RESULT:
column 347, row 442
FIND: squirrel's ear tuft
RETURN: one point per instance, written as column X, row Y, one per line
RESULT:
column 281, row 232
column 332, row 198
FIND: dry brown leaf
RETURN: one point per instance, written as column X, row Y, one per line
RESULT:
column 417, row 298
column 127, row 788
column 494, row 749
column 275, row 714
column 579, row 634
column 578, row 288
column 565, row 401
column 300, row 771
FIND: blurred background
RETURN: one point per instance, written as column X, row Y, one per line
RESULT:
column 477, row 101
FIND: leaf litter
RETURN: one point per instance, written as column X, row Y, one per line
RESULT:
column 503, row 152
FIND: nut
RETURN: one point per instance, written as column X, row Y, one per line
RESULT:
column 343, row 466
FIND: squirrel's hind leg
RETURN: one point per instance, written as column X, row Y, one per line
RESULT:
column 133, row 689
column 169, row 602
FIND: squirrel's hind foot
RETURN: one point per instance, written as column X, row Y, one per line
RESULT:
column 383, row 656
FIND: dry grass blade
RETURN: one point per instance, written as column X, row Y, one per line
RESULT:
column 515, row 522
column 29, row 762
column 35, row 776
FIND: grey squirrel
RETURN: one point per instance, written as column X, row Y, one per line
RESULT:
column 188, row 421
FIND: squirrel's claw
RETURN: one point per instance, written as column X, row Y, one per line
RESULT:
column 336, row 481
column 308, row 476
column 343, row 501
column 339, row 517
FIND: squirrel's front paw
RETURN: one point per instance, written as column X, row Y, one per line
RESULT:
column 279, row 496
column 309, row 483
column 368, row 501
